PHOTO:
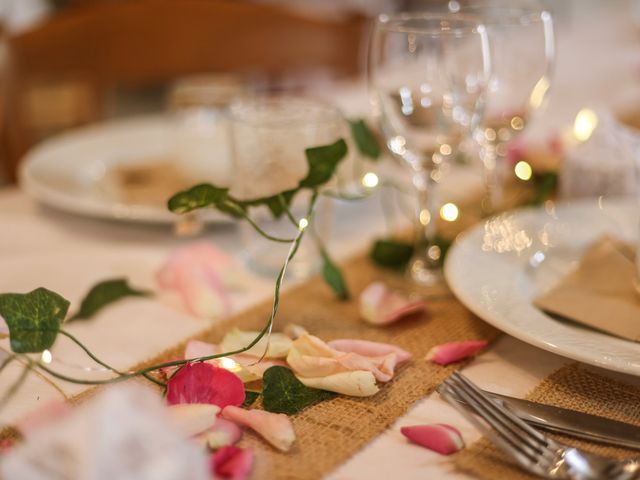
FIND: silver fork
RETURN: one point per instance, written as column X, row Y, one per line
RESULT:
column 528, row 447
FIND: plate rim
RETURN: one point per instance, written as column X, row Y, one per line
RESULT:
column 108, row 210
column 508, row 328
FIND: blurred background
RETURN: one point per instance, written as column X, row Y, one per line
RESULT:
column 69, row 63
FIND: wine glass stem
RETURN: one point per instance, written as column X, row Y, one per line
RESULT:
column 425, row 265
column 494, row 174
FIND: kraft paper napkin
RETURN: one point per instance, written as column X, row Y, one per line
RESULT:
column 599, row 293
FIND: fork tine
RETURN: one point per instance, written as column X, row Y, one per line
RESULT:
column 482, row 397
column 494, row 436
column 494, row 413
column 511, row 435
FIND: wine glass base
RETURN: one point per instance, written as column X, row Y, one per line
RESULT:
column 426, row 275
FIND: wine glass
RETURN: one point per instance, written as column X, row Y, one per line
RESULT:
column 522, row 53
column 427, row 73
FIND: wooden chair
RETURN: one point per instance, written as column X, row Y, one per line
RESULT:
column 92, row 48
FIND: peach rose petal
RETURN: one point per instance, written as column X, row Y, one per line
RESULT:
column 275, row 428
column 447, row 353
column 441, row 438
column 248, row 370
column 198, row 349
column 311, row 357
column 357, row 383
column 222, row 434
column 205, row 383
column 294, row 331
column 369, row 349
column 278, row 343
column 194, row 418
column 381, row 306
column 232, row 463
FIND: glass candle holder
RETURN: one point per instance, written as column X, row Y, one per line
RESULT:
column 269, row 136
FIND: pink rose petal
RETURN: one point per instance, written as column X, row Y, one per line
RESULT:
column 231, row 463
column 222, row 434
column 205, row 383
column 202, row 291
column 369, row 349
column 447, row 353
column 311, row 357
column 196, row 273
column 203, row 253
column 42, row 416
column 440, row 438
column 6, row 445
column 275, row 428
column 516, row 151
column 381, row 306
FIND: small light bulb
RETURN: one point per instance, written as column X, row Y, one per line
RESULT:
column 370, row 180
column 303, row 223
column 585, row 123
column 228, row 363
column 523, row 170
column 425, row 217
column 517, row 123
column 449, row 212
column 445, row 149
column 46, row 356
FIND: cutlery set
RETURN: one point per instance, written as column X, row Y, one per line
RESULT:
column 508, row 423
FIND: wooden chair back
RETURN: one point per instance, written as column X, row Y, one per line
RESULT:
column 86, row 51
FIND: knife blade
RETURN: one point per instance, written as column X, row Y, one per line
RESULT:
column 572, row 423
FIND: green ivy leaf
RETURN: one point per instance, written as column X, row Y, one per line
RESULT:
column 545, row 184
column 322, row 163
column 394, row 254
column 366, row 141
column 205, row 195
column 33, row 318
column 334, row 278
column 250, row 397
column 284, row 393
column 391, row 254
column 104, row 293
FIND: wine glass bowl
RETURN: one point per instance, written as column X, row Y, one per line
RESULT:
column 427, row 73
column 522, row 52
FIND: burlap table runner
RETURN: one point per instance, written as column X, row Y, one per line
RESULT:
column 329, row 433
column 571, row 387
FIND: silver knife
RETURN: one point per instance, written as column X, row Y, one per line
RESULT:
column 576, row 424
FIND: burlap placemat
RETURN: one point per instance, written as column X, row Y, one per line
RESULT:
column 329, row 433
column 571, row 387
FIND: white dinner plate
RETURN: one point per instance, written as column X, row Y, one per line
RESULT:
column 498, row 267
column 71, row 171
